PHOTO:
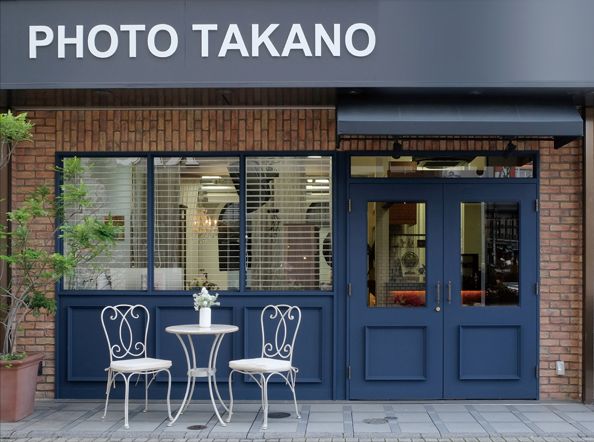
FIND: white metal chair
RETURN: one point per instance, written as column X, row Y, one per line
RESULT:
column 127, row 353
column 282, row 321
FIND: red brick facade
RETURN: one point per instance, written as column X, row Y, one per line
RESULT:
column 277, row 129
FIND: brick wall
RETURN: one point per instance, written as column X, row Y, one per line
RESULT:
column 232, row 130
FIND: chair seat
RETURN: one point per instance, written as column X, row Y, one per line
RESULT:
column 260, row 365
column 140, row 364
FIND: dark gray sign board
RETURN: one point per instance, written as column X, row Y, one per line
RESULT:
column 418, row 44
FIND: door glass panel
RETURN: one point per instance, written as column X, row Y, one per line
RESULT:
column 490, row 254
column 396, row 270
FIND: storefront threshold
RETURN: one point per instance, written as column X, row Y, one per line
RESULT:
column 320, row 419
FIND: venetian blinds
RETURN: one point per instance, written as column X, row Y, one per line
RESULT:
column 289, row 223
column 196, row 223
column 117, row 188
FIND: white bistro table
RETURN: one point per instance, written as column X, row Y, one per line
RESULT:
column 188, row 331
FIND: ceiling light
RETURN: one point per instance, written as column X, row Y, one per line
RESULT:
column 215, row 187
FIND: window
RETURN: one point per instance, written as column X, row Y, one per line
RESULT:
column 424, row 166
column 117, row 187
column 196, row 223
column 289, row 223
column 197, row 218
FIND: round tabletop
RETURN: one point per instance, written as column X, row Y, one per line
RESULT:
column 195, row 329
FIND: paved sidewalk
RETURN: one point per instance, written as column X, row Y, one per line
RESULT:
column 326, row 421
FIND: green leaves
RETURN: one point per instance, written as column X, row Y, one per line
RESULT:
column 15, row 128
column 85, row 237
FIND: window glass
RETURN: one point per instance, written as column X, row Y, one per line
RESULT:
column 442, row 167
column 396, row 254
column 196, row 239
column 117, row 187
column 289, row 223
column 490, row 258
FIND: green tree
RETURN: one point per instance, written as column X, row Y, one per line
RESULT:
column 13, row 130
column 34, row 269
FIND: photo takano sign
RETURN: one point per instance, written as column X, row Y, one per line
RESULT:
column 296, row 43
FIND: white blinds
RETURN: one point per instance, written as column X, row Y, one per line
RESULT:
column 117, row 187
column 196, row 233
column 289, row 224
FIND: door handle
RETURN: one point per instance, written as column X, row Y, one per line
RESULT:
column 449, row 292
column 438, row 297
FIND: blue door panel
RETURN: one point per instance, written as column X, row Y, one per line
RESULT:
column 492, row 351
column 83, row 355
column 395, row 352
column 458, row 352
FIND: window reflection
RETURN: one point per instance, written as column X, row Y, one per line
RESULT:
column 490, row 254
column 396, row 239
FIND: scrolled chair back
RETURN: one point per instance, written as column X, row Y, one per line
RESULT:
column 279, row 324
column 121, row 324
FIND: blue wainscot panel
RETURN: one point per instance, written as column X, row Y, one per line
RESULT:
column 87, row 354
column 83, row 353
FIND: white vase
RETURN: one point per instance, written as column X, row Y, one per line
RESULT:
column 204, row 317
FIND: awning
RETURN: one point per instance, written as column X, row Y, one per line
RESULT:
column 459, row 118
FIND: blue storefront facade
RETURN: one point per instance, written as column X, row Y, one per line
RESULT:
column 411, row 175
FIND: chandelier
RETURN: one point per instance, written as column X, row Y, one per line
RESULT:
column 203, row 224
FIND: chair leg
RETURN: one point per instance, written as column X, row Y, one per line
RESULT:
column 126, row 393
column 145, row 393
column 169, row 396
column 265, row 402
column 107, row 392
column 230, row 411
column 292, row 387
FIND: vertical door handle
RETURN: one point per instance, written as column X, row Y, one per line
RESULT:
column 438, row 297
column 449, row 292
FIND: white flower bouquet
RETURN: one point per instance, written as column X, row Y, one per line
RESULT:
column 205, row 299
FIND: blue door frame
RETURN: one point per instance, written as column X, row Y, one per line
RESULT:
column 444, row 350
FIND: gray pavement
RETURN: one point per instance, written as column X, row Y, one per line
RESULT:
column 321, row 421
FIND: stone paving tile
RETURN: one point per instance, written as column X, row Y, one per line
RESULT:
column 322, row 422
column 326, row 417
column 367, row 407
column 556, row 427
column 325, row 427
column 361, row 427
column 360, row 416
column 408, row 408
column 418, row 428
column 581, row 416
column 511, row 428
column 412, row 417
column 542, row 417
column 490, row 408
column 326, row 407
column 499, row 417
column 465, row 428
column 449, row 408
column 456, row 417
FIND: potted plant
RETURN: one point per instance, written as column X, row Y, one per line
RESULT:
column 13, row 130
column 202, row 304
column 34, row 270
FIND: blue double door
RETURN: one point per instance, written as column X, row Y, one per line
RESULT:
column 443, row 299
